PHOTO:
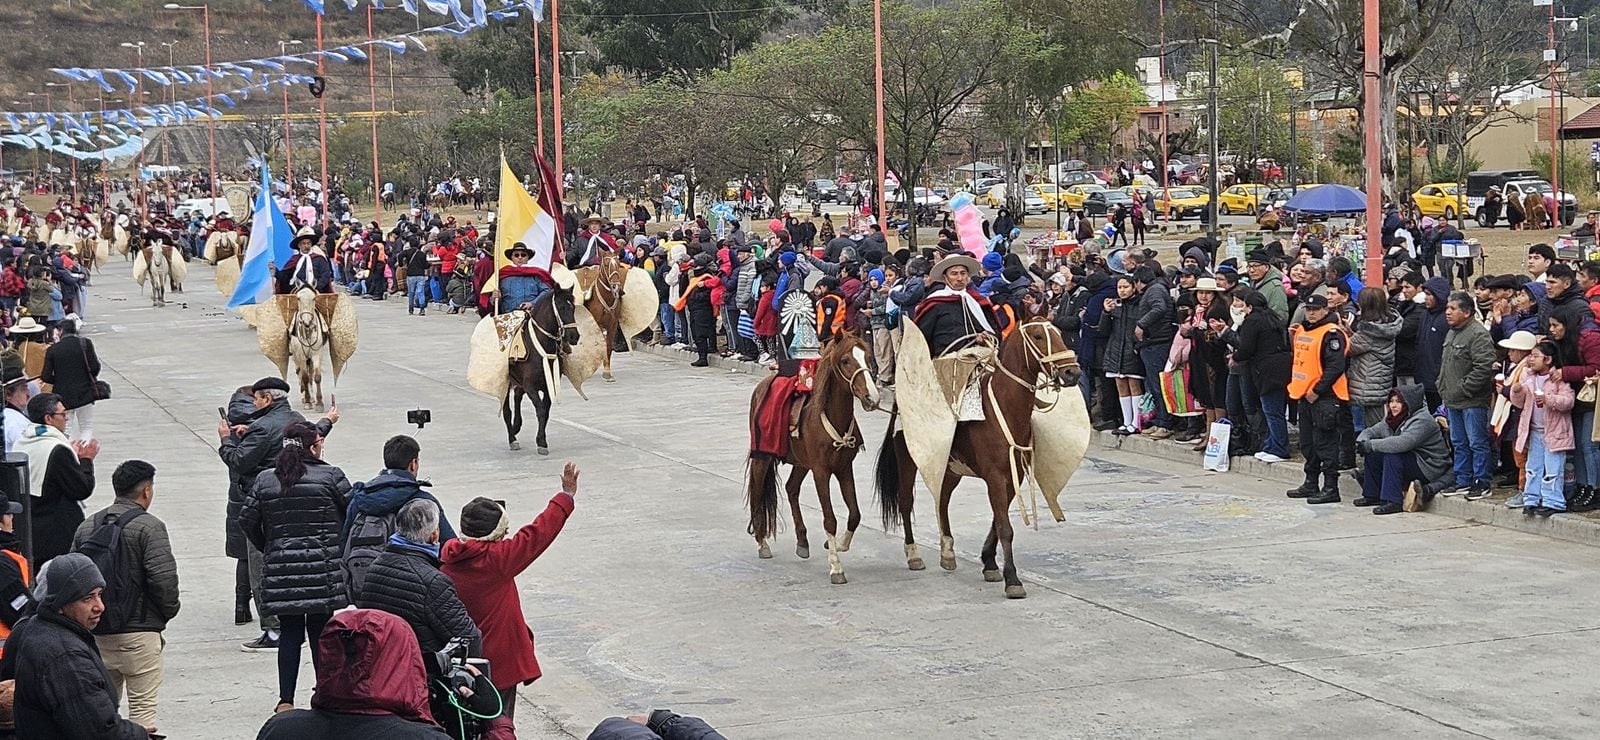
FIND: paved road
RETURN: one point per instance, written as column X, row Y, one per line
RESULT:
column 1166, row 606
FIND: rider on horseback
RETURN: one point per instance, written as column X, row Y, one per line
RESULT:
column 308, row 268
column 961, row 328
column 592, row 244
column 520, row 283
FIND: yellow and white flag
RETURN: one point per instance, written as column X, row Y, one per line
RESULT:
column 522, row 220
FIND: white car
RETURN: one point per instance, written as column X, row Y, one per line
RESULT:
column 1032, row 203
column 204, row 206
column 926, row 197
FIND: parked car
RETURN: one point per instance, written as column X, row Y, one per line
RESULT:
column 1247, row 199
column 926, row 197
column 1047, row 192
column 1073, row 197
column 1101, row 202
column 1180, row 202
column 1440, row 199
column 822, row 189
column 1514, row 184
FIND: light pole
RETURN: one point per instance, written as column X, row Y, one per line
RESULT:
column 71, row 103
column 49, row 155
column 288, row 143
column 211, row 122
column 1555, row 118
column 555, row 48
column 372, row 91
column 172, row 92
column 883, row 173
column 144, row 192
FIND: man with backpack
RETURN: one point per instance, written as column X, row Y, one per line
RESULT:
column 370, row 519
column 131, row 548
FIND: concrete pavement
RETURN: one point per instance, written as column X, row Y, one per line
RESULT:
column 1169, row 604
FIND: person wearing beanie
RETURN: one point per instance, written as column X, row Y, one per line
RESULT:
column 484, row 563
column 62, row 690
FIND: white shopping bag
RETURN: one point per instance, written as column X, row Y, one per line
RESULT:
column 1217, row 446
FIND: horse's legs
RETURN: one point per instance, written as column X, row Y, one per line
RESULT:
column 605, row 360
column 511, row 429
column 830, row 524
column 947, row 543
column 791, row 485
column 991, row 570
column 1000, row 495
column 847, row 491
column 316, row 377
column 907, row 494
column 541, row 404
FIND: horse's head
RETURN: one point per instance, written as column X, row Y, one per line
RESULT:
column 565, row 304
column 846, row 355
column 1045, row 346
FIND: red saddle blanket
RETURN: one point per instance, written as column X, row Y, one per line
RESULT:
column 775, row 414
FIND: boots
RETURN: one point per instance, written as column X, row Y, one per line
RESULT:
column 1306, row 489
column 1330, row 490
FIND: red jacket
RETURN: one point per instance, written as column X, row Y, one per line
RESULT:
column 1593, row 296
column 485, row 574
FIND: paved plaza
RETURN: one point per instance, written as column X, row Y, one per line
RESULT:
column 1170, row 603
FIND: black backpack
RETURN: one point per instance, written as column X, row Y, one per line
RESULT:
column 369, row 534
column 122, row 595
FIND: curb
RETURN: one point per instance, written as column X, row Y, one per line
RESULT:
column 1582, row 528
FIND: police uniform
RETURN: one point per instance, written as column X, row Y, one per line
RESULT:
column 1319, row 361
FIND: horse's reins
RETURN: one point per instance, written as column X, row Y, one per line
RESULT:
column 849, row 440
column 1019, row 458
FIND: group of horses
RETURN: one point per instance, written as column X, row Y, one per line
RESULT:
column 1032, row 361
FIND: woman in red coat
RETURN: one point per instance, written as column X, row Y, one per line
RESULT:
column 484, row 563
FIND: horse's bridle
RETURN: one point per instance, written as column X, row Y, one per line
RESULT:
column 1048, row 358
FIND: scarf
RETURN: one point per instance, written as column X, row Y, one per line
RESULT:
column 974, row 308
column 1395, row 420
column 38, row 441
column 399, row 541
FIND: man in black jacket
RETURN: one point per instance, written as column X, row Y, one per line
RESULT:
column 70, row 367
column 1153, row 331
column 248, row 450
column 62, row 689
column 405, row 581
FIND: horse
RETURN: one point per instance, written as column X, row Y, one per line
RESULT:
column 387, row 199
column 605, row 303
column 479, row 197
column 440, row 201
column 308, row 335
column 547, row 334
column 818, row 447
column 159, row 272
column 1010, row 396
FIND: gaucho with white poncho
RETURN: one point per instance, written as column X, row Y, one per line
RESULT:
column 60, row 476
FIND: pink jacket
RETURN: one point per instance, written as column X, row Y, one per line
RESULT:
column 1558, row 400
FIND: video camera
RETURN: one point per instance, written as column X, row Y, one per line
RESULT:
column 450, row 665
column 462, row 718
column 420, row 417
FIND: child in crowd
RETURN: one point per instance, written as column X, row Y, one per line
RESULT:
column 1507, row 413
column 1545, row 430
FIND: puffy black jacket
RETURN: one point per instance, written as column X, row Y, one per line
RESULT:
column 405, row 581
column 1261, row 345
column 62, row 689
column 255, row 451
column 298, row 532
column 241, row 410
column 1156, row 315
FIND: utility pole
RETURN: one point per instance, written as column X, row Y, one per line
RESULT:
column 1294, row 145
column 1212, row 123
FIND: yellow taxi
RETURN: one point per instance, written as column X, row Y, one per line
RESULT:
column 995, row 196
column 1440, row 199
column 1047, row 192
column 1245, row 199
column 1178, row 202
column 1072, row 198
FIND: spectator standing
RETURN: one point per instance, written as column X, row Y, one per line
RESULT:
column 1372, row 358
column 1120, row 358
column 484, row 565
column 16, row 576
column 406, row 581
column 1466, row 386
column 1268, row 281
column 883, row 322
column 132, row 650
column 60, row 476
column 1319, row 384
column 415, row 260
column 1432, row 327
column 293, row 514
column 1154, row 329
column 1507, row 414
column 1544, row 431
column 1579, row 348
column 240, row 410
column 17, row 390
column 71, row 367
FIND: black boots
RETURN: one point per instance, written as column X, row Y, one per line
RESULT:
column 1583, row 499
column 1306, row 490
column 1330, row 490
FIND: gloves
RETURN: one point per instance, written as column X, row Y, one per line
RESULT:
column 1363, row 447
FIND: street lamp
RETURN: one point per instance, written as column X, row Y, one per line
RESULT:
column 211, row 124
column 572, row 61
column 144, row 191
column 71, row 103
column 288, row 143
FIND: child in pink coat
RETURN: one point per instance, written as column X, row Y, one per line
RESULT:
column 1544, row 431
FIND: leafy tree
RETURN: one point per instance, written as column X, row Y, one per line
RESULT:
column 678, row 41
column 1096, row 113
column 499, row 55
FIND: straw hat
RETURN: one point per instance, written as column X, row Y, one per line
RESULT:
column 955, row 260
column 1523, row 340
column 1207, row 285
column 27, row 326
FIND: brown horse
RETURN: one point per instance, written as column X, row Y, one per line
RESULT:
column 605, row 303
column 549, row 332
column 825, row 445
column 1034, row 350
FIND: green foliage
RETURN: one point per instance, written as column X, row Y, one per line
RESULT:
column 500, row 56
column 1095, row 114
column 1577, row 172
column 679, row 41
column 1445, row 169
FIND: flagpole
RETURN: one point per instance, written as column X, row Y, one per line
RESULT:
column 322, row 126
column 555, row 51
column 538, row 87
column 372, row 90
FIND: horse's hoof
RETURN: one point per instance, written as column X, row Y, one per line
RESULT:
column 916, row 564
column 948, row 563
column 608, row 378
column 764, row 552
column 544, row 450
column 516, row 445
column 844, row 542
column 804, row 551
column 1016, row 592
column 992, row 576
column 837, row 579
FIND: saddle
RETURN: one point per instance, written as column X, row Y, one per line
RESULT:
column 777, row 417
column 961, row 375
column 508, row 327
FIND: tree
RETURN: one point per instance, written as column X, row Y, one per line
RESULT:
column 1253, row 113
column 1096, row 114
column 678, row 41
column 499, row 55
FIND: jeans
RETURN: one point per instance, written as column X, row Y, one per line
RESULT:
column 1469, row 434
column 1155, row 360
column 416, row 292
column 1546, row 469
column 297, row 629
column 1274, row 407
column 668, row 324
column 1387, row 475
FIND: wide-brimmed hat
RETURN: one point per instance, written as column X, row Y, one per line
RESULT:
column 27, row 326
column 1207, row 285
column 954, row 260
column 12, row 369
column 1523, row 340
column 604, row 222
column 518, row 247
column 303, row 237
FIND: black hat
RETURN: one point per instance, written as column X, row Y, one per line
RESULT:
column 1259, row 255
column 480, row 517
column 1504, row 282
column 1314, row 301
column 519, row 247
column 270, row 383
column 295, row 242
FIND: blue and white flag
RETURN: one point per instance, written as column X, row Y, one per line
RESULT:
column 180, row 75
column 479, row 13
column 537, row 6
column 409, row 5
column 316, row 6
column 269, row 243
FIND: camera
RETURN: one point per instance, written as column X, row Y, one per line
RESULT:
column 449, row 664
column 420, row 417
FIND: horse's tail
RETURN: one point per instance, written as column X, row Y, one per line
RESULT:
column 761, row 494
column 887, row 480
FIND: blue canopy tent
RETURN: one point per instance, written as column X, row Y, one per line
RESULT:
column 1328, row 200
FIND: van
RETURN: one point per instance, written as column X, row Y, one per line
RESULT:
column 1514, row 184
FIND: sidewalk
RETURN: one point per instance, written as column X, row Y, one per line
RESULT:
column 1580, row 528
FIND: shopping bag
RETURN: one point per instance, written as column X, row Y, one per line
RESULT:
column 1217, row 446
column 1175, row 392
column 1414, row 500
column 747, row 325
column 1146, row 410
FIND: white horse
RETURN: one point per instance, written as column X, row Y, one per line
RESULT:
column 308, row 335
column 163, row 265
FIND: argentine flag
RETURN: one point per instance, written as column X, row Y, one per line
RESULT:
column 269, row 243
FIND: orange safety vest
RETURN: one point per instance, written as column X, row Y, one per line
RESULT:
column 27, row 580
column 1007, row 314
column 836, row 327
column 1307, row 368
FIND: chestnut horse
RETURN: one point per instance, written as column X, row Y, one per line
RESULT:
column 1033, row 351
column 605, row 304
column 825, row 446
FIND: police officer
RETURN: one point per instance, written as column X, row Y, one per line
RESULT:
column 1317, row 382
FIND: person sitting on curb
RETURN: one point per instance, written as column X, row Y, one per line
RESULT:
column 662, row 724
column 1405, row 447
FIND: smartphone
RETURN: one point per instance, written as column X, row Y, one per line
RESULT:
column 222, row 412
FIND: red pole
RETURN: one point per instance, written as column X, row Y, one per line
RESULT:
column 211, row 121
column 144, row 190
column 883, row 172
column 1371, row 112
column 555, row 56
column 538, row 86
column 372, row 89
column 1161, row 81
column 288, row 145
column 322, row 125
column 105, row 177
column 72, row 102
column 1555, row 124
